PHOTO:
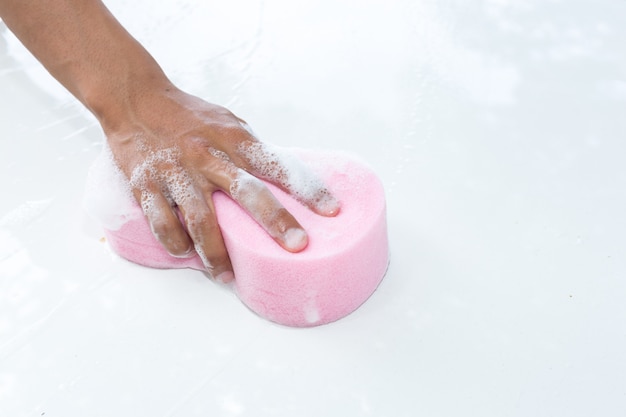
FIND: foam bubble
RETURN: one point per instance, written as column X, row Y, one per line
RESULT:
column 282, row 167
column 245, row 190
column 219, row 154
column 108, row 197
column 162, row 167
column 108, row 193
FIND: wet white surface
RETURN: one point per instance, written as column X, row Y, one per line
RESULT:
column 498, row 130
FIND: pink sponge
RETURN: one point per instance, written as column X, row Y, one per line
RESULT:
column 344, row 262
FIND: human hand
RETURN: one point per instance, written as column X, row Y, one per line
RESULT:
column 176, row 150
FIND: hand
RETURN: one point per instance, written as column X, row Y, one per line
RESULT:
column 177, row 150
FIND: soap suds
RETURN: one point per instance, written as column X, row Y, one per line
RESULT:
column 108, row 194
column 108, row 197
column 162, row 168
column 283, row 168
column 219, row 154
column 245, row 188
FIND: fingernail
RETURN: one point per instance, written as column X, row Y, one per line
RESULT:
column 225, row 277
column 190, row 253
column 295, row 239
column 329, row 206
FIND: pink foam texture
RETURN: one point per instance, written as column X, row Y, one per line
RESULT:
column 343, row 264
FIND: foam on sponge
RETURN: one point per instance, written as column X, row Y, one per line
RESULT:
column 344, row 262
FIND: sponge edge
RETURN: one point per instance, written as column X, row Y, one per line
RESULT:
column 341, row 267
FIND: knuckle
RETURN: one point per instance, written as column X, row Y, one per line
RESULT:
column 230, row 130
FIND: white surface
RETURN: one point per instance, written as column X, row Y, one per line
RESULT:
column 498, row 130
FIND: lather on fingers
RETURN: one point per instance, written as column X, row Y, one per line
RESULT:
column 285, row 170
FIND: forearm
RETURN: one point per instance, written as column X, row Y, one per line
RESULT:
column 84, row 47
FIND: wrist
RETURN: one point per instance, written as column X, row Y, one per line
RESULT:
column 115, row 98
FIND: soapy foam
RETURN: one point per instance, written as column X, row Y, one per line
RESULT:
column 280, row 166
column 219, row 154
column 245, row 190
column 162, row 168
column 108, row 197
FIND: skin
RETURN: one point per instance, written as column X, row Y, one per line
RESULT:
column 176, row 149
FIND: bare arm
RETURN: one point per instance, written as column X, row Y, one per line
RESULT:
column 175, row 149
column 87, row 50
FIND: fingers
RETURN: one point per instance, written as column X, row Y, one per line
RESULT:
column 199, row 216
column 194, row 148
column 188, row 176
column 160, row 181
column 165, row 225
column 250, row 192
column 202, row 234
column 289, row 173
column 254, row 197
